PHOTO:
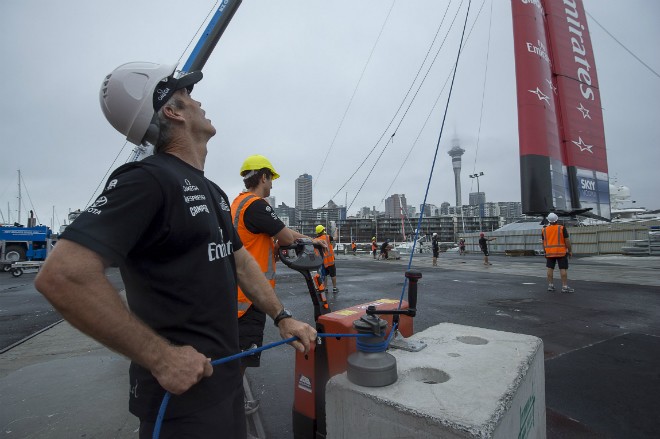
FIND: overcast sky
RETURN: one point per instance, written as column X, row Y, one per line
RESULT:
column 281, row 80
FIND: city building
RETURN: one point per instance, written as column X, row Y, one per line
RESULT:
column 477, row 198
column 304, row 192
column 429, row 209
column 444, row 208
column 395, row 205
column 287, row 214
column 271, row 200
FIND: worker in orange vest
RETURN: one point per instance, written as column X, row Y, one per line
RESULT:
column 557, row 246
column 328, row 257
column 261, row 232
column 374, row 246
column 353, row 247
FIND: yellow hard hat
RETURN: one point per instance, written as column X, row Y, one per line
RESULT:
column 373, row 239
column 254, row 163
column 320, row 229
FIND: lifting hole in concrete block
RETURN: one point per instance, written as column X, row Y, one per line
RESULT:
column 469, row 339
column 428, row 376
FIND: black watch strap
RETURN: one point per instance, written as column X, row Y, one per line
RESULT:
column 284, row 314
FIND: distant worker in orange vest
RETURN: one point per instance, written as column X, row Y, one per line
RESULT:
column 557, row 246
column 374, row 246
column 353, row 247
column 329, row 256
column 259, row 229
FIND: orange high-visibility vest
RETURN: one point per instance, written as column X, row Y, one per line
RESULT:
column 554, row 243
column 260, row 245
column 329, row 255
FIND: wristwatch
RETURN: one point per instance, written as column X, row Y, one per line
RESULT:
column 284, row 314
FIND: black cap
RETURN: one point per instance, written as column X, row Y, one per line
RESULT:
column 166, row 88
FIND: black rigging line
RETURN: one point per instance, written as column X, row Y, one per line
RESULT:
column 105, row 176
column 350, row 101
column 483, row 91
column 393, row 117
column 622, row 45
column 198, row 31
column 442, row 126
column 416, row 91
column 432, row 108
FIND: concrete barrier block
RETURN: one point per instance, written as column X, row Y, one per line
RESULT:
column 467, row 383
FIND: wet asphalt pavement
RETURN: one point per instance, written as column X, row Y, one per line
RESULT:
column 601, row 344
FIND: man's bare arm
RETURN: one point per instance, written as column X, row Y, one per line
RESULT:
column 73, row 280
column 287, row 236
column 255, row 286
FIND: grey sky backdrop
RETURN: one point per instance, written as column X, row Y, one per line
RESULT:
column 280, row 82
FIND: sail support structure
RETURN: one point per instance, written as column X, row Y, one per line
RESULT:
column 563, row 160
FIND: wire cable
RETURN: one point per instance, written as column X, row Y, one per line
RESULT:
column 105, row 176
column 624, row 47
column 350, row 102
column 421, row 130
column 483, row 90
column 437, row 147
column 396, row 113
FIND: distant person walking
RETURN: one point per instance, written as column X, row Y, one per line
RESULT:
column 384, row 250
column 353, row 247
column 436, row 249
column 483, row 244
column 374, row 247
column 557, row 246
column 461, row 246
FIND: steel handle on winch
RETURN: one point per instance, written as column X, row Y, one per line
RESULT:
column 413, row 276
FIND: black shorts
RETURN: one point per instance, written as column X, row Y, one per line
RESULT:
column 485, row 250
column 563, row 262
column 331, row 271
column 436, row 253
column 251, row 334
column 226, row 419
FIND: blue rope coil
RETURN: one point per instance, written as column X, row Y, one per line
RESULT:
column 168, row 395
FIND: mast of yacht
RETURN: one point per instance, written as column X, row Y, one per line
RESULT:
column 19, row 197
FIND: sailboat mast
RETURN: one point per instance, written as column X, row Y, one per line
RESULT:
column 19, row 196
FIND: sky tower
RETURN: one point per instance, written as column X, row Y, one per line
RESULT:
column 456, row 152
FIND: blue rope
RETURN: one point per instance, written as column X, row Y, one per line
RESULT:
column 168, row 395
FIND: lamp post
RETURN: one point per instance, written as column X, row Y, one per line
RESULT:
column 477, row 175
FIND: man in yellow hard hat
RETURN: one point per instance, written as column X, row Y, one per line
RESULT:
column 329, row 257
column 259, row 229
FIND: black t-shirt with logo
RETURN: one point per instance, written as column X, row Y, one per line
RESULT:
column 169, row 230
column 260, row 217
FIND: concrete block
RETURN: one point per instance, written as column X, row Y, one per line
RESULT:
column 467, row 383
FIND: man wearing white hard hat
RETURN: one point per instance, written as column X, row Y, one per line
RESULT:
column 557, row 246
column 169, row 230
column 435, row 246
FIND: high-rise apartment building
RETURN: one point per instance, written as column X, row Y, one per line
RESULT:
column 395, row 205
column 304, row 192
column 477, row 198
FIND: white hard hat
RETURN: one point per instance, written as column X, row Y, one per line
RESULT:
column 435, row 234
column 132, row 94
column 552, row 217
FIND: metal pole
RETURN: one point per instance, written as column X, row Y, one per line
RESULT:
column 19, row 197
